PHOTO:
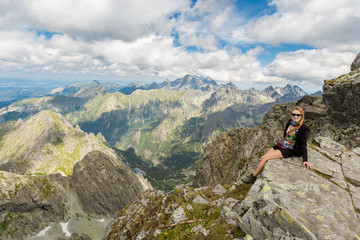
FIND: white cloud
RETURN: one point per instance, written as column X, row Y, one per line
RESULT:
column 310, row 66
column 134, row 37
column 318, row 23
column 91, row 19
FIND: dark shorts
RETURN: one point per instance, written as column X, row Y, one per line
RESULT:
column 286, row 152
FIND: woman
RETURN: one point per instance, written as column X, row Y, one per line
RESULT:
column 294, row 144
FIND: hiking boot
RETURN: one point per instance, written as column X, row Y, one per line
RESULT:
column 248, row 179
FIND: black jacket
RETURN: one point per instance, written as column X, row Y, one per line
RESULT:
column 301, row 141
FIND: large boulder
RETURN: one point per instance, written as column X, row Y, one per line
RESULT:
column 292, row 201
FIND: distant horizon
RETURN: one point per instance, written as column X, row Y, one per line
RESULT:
column 51, row 84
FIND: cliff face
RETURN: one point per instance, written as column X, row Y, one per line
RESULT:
column 342, row 96
column 104, row 184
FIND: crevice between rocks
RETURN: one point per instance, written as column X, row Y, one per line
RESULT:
column 349, row 191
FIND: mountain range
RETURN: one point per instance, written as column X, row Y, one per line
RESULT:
column 165, row 124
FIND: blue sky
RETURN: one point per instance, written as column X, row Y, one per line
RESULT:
column 252, row 43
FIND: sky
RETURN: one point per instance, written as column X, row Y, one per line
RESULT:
column 252, row 43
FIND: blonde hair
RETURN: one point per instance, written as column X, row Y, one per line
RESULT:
column 301, row 110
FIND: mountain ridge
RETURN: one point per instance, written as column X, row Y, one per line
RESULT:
column 46, row 143
column 166, row 128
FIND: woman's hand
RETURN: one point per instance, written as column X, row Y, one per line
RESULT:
column 307, row 165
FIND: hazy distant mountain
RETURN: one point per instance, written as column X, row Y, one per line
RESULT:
column 288, row 93
column 185, row 83
column 230, row 84
column 90, row 92
column 190, row 82
column 75, row 88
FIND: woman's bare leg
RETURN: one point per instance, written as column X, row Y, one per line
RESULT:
column 271, row 154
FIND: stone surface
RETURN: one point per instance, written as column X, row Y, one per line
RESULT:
column 356, row 63
column 29, row 203
column 219, row 190
column 178, row 216
column 200, row 200
column 342, row 97
column 201, row 230
column 105, row 185
column 306, row 204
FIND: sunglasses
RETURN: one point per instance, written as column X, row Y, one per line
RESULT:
column 297, row 115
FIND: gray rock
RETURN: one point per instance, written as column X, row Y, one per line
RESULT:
column 231, row 202
column 178, row 216
column 300, row 202
column 232, row 188
column 189, row 207
column 157, row 232
column 171, row 208
column 342, row 97
column 28, row 204
column 141, row 235
column 356, row 63
column 219, row 190
column 200, row 229
column 229, row 215
column 200, row 200
column 219, row 202
column 99, row 180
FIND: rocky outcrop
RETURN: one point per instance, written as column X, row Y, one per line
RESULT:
column 78, row 206
column 186, row 213
column 226, row 157
column 356, row 63
column 342, row 97
column 28, row 204
column 105, row 185
column 289, row 200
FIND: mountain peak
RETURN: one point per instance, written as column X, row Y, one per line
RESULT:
column 48, row 142
column 230, row 84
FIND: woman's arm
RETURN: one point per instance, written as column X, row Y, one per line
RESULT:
column 303, row 137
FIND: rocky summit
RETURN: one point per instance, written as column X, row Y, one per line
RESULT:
column 287, row 201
